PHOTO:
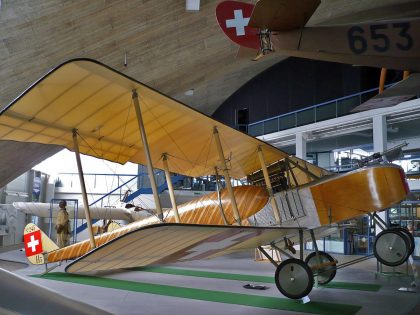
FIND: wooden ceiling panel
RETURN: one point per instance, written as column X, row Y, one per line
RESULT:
column 166, row 47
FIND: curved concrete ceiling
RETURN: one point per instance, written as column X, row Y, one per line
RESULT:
column 17, row 158
column 165, row 47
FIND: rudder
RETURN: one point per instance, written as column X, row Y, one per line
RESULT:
column 37, row 244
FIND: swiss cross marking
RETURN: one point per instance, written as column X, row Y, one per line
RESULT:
column 33, row 245
column 238, row 22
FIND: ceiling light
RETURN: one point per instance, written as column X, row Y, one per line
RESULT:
column 189, row 92
column 192, row 5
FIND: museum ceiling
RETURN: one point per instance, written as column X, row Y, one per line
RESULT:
column 182, row 54
column 165, row 46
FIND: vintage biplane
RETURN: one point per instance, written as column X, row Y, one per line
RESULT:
column 280, row 26
column 93, row 109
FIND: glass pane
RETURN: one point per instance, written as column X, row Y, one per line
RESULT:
column 271, row 125
column 255, row 130
column 345, row 106
column 306, row 117
column 325, row 112
column 405, row 212
column 287, row 122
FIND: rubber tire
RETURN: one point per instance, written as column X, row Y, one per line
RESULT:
column 307, row 273
column 312, row 256
column 409, row 236
column 405, row 241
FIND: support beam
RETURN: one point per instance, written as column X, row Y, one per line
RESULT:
column 170, row 187
column 267, row 255
column 380, row 138
column 382, row 80
column 227, row 177
column 147, row 154
column 83, row 187
column 269, row 187
column 301, row 244
column 301, row 145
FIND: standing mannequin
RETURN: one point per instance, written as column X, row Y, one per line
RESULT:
column 63, row 225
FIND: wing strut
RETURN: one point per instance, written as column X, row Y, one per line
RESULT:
column 170, row 187
column 269, row 187
column 226, row 175
column 83, row 187
column 222, row 212
column 382, row 80
column 147, row 154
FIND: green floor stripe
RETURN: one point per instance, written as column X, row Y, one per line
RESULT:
column 353, row 286
column 252, row 278
column 207, row 295
column 207, row 274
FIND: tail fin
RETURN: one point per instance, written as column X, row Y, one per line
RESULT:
column 37, row 244
column 233, row 18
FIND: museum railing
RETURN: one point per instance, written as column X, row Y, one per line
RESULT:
column 309, row 115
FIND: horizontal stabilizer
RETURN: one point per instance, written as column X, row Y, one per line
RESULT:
column 282, row 15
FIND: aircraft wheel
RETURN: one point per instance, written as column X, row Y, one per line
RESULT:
column 294, row 278
column 324, row 268
column 391, row 247
column 409, row 236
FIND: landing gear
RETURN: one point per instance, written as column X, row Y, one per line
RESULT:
column 392, row 247
column 324, row 268
column 294, row 278
column 409, row 236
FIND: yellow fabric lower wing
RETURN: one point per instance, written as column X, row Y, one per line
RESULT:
column 170, row 243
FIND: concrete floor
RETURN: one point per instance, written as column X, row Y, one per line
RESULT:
column 388, row 300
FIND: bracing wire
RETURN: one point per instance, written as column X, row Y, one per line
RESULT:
column 208, row 152
column 164, row 129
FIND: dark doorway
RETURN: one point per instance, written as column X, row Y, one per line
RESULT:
column 242, row 119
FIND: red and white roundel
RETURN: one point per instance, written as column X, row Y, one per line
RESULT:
column 33, row 244
column 233, row 18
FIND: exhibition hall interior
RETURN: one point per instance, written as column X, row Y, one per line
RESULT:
column 210, row 157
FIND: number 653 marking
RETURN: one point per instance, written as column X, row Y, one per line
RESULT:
column 358, row 43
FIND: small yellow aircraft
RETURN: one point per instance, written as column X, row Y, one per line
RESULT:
column 93, row 109
column 280, row 26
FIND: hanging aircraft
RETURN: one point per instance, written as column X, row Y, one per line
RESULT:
column 44, row 210
column 280, row 26
column 93, row 109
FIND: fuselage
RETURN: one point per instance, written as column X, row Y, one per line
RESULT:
column 328, row 200
column 203, row 210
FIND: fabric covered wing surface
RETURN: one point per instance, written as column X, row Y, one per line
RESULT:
column 97, row 101
column 169, row 243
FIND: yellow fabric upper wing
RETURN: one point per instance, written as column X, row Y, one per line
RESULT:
column 96, row 100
